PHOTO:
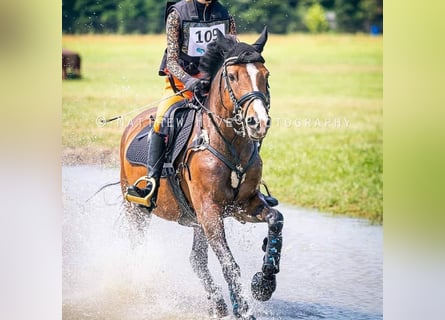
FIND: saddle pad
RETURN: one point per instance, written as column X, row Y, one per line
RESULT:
column 182, row 134
column 137, row 152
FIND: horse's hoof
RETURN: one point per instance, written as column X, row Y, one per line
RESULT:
column 262, row 288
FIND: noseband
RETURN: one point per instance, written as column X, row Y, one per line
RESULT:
column 238, row 114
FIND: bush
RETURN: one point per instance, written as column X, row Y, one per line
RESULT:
column 315, row 19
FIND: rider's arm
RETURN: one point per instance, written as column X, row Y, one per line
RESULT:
column 232, row 26
column 173, row 29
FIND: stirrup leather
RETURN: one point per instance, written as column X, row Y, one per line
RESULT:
column 146, row 201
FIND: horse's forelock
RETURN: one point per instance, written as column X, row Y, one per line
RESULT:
column 222, row 49
column 245, row 53
column 215, row 55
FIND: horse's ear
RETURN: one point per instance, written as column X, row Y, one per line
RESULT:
column 219, row 35
column 222, row 41
column 221, row 38
column 259, row 44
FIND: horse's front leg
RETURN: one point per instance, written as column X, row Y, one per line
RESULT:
column 199, row 262
column 214, row 229
column 264, row 283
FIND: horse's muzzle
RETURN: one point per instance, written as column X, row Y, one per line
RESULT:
column 256, row 128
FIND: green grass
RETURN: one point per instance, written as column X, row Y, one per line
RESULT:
column 324, row 149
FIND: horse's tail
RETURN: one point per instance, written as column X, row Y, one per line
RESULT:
column 102, row 188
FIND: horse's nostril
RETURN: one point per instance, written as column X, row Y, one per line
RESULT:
column 268, row 123
column 251, row 121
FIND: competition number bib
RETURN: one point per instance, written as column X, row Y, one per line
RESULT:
column 200, row 37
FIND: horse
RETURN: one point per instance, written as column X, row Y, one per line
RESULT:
column 220, row 170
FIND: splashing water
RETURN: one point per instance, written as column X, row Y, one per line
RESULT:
column 331, row 267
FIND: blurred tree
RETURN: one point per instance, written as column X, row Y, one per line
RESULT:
column 69, row 16
column 252, row 16
column 358, row 15
column 315, row 19
column 327, row 4
column 347, row 15
column 299, row 13
column 155, row 16
column 147, row 16
column 371, row 13
column 91, row 17
column 131, row 16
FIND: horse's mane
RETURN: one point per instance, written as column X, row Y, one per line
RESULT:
column 223, row 48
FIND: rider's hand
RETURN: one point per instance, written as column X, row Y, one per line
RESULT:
column 192, row 83
column 204, row 86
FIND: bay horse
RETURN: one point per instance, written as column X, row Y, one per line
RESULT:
column 220, row 177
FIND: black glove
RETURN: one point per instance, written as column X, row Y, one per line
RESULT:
column 192, row 83
column 204, row 86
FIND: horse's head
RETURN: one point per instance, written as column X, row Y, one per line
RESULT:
column 243, row 82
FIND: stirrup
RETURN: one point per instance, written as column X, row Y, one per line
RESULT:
column 145, row 201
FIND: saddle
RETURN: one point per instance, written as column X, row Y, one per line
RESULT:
column 178, row 126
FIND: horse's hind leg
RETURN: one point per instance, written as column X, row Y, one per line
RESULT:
column 199, row 262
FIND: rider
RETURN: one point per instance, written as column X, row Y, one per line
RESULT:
column 190, row 26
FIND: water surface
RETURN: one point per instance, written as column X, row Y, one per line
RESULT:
column 331, row 267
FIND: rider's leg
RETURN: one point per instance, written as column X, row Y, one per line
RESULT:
column 156, row 150
column 155, row 163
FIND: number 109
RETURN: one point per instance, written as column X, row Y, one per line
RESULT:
column 206, row 36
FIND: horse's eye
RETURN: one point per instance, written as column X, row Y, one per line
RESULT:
column 231, row 77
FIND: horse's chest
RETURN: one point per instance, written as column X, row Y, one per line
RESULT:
column 246, row 183
column 237, row 177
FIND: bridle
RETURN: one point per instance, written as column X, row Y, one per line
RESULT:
column 238, row 115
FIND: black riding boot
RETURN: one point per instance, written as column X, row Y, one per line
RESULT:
column 148, row 195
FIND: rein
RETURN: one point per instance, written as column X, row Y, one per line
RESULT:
column 101, row 121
